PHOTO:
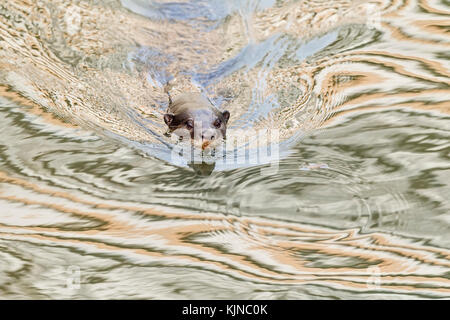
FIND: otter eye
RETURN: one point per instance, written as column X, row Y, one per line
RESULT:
column 190, row 124
column 217, row 123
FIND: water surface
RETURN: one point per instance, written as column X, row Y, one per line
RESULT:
column 93, row 205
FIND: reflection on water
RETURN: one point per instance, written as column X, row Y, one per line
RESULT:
column 93, row 205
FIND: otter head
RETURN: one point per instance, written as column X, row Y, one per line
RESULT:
column 195, row 118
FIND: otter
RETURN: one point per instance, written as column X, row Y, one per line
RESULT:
column 191, row 114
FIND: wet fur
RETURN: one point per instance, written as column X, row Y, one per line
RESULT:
column 194, row 109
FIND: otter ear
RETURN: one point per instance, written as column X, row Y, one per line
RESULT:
column 226, row 115
column 168, row 118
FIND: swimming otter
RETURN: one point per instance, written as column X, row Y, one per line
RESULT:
column 192, row 114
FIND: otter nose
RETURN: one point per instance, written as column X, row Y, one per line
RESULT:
column 207, row 137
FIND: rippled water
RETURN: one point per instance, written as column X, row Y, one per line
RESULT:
column 95, row 205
